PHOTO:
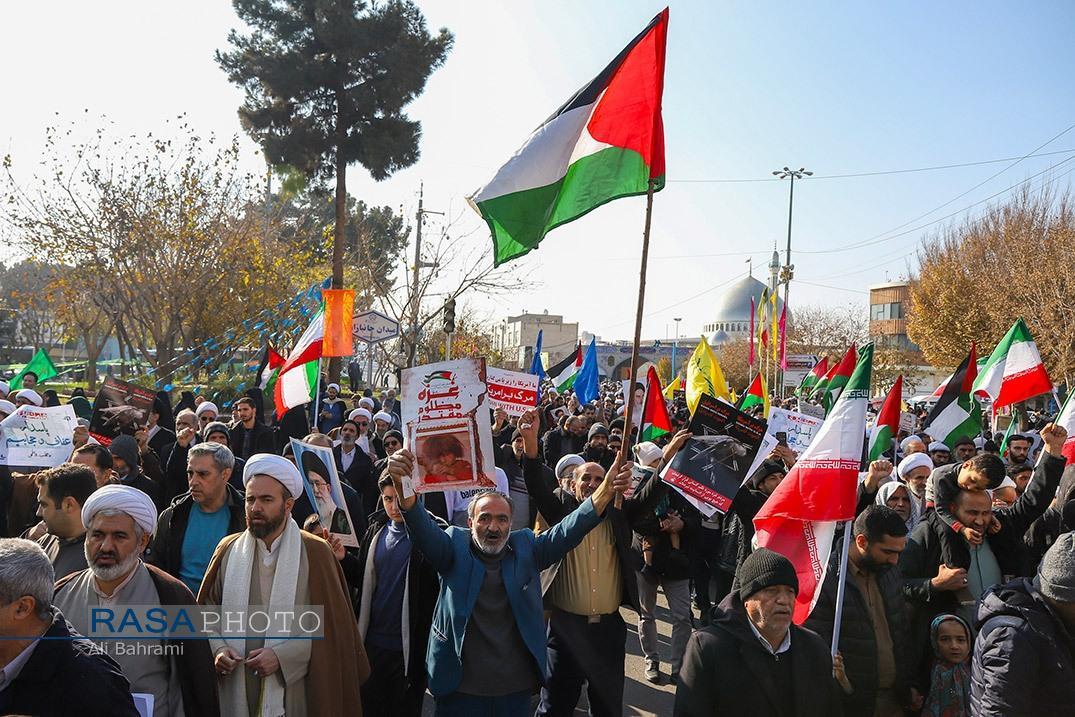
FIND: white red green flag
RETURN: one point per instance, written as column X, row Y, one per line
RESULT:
column 799, row 519
column 563, row 374
column 297, row 382
column 1015, row 371
column 605, row 143
column 1066, row 418
column 655, row 421
column 888, row 422
column 956, row 414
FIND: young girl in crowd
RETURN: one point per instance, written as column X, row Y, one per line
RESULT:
column 949, row 679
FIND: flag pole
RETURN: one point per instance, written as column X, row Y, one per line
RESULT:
column 628, row 411
column 840, row 588
column 317, row 395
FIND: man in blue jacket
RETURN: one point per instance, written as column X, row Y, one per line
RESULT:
column 486, row 653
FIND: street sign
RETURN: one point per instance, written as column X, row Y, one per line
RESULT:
column 373, row 327
column 798, row 366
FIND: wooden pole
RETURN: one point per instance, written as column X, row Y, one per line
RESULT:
column 628, row 410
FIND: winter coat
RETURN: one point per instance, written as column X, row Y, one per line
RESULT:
column 166, row 549
column 1024, row 657
column 858, row 641
column 727, row 671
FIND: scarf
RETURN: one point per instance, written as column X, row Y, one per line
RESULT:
column 236, row 596
column 885, row 492
column 949, row 685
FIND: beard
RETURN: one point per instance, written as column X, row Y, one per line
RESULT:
column 326, row 508
column 272, row 522
column 111, row 573
column 490, row 547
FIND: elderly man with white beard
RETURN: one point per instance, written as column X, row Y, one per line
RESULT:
column 119, row 522
column 490, row 594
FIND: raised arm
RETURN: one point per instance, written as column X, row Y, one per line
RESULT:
column 541, row 493
column 1042, row 487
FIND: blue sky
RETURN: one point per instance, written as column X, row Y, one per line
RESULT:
column 835, row 87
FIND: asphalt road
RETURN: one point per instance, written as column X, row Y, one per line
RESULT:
column 640, row 698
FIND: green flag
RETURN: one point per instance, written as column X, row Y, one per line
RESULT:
column 40, row 365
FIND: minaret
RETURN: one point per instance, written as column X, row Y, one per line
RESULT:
column 774, row 269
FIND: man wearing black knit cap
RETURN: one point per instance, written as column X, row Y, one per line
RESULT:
column 752, row 660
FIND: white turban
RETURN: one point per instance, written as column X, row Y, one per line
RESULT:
column 383, row 416
column 569, row 461
column 938, row 446
column 906, row 443
column 30, row 395
column 333, row 385
column 4, row 388
column 206, row 406
column 278, row 467
column 125, row 499
column 7, row 407
column 359, row 412
column 915, row 460
column 647, row 452
column 367, row 402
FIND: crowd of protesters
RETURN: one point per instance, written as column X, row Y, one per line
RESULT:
column 958, row 597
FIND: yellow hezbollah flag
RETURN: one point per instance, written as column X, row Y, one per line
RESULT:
column 704, row 376
column 670, row 391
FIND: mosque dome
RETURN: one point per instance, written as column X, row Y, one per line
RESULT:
column 731, row 311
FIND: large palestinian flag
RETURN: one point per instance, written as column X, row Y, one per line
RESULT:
column 655, row 421
column 799, row 519
column 1014, row 372
column 606, row 142
column 956, row 414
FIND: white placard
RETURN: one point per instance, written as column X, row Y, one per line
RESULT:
column 37, row 437
column 799, row 427
column 513, row 391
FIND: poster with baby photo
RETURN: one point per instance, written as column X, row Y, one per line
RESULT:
column 322, row 485
column 445, row 409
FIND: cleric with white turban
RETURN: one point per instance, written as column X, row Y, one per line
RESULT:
column 915, row 460
column 30, row 396
column 6, row 407
column 360, row 412
column 125, row 499
column 274, row 466
column 366, row 402
column 205, row 406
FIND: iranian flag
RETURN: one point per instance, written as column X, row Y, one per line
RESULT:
column 839, row 379
column 655, row 421
column 1014, row 372
column 563, row 374
column 799, row 519
column 816, row 374
column 297, row 381
column 605, row 143
column 956, row 414
column 756, row 395
column 888, row 422
column 1066, row 418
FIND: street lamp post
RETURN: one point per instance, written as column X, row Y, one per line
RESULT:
column 788, row 270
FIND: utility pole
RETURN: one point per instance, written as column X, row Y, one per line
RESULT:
column 788, row 270
column 418, row 264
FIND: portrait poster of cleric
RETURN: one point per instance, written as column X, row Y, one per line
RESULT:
column 119, row 409
column 322, row 486
column 714, row 463
column 445, row 408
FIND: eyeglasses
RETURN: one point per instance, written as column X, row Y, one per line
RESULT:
column 206, row 419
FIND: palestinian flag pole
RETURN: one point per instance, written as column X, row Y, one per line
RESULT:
column 956, row 414
column 604, row 143
column 888, row 422
column 655, row 421
column 799, row 519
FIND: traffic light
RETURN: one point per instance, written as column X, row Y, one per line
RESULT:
column 449, row 316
